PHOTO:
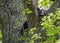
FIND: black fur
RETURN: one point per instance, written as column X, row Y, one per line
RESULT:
column 40, row 11
column 25, row 26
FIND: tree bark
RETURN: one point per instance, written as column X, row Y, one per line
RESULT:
column 11, row 10
column 32, row 17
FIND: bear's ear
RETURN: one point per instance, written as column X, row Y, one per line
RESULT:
column 39, row 10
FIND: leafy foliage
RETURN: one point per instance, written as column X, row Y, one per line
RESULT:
column 50, row 23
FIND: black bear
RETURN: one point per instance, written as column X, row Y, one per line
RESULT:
column 41, row 13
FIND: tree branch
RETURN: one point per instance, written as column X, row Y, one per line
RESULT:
column 53, row 8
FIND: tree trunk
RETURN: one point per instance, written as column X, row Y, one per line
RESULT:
column 32, row 17
column 11, row 11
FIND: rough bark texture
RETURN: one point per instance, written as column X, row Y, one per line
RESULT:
column 32, row 17
column 11, row 10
